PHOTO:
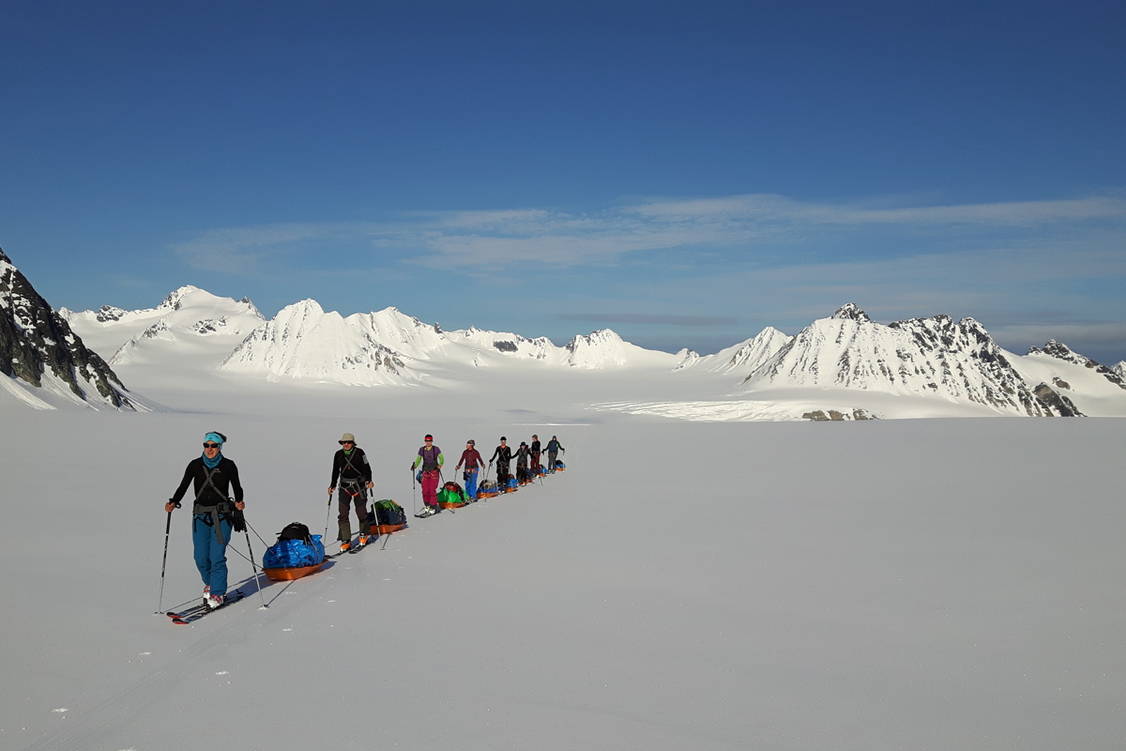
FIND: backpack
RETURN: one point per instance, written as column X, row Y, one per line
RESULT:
column 296, row 531
column 388, row 512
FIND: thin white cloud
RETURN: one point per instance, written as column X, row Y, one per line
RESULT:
column 469, row 239
column 775, row 208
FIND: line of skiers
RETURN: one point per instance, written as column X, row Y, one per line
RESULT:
column 430, row 460
column 216, row 513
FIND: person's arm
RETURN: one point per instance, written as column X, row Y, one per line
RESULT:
column 337, row 464
column 496, row 451
column 459, row 461
column 441, row 458
column 235, row 483
column 365, row 466
column 417, row 459
column 179, row 494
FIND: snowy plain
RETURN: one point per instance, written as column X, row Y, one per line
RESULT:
column 918, row 584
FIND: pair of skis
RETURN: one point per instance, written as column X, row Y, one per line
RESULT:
column 194, row 613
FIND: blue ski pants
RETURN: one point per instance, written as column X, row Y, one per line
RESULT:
column 210, row 553
column 471, row 482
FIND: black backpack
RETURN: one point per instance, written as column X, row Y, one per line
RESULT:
column 296, row 531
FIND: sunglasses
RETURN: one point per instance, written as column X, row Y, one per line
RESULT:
column 347, row 443
column 211, row 445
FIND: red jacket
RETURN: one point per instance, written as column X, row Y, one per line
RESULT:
column 471, row 458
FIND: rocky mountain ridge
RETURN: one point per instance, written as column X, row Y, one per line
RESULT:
column 38, row 348
column 933, row 356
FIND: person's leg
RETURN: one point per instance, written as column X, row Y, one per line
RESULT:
column 202, row 533
column 430, row 488
column 344, row 526
column 218, row 555
column 471, row 485
column 362, row 511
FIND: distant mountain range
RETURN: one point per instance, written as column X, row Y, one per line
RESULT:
column 932, row 360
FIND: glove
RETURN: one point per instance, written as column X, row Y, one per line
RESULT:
column 171, row 505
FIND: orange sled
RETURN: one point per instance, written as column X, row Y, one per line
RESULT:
column 386, row 529
column 452, row 505
column 286, row 574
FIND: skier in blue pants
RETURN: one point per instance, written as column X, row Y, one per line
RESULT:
column 473, row 463
column 213, row 513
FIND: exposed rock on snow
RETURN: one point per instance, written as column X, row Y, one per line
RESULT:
column 38, row 348
column 932, row 356
column 821, row 415
column 1061, row 351
column 687, row 358
column 304, row 342
column 1059, row 404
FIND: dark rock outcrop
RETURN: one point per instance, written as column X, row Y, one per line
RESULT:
column 1057, row 402
column 1061, row 351
column 35, row 340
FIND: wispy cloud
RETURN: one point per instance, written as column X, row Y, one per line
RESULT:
column 747, row 223
column 776, row 208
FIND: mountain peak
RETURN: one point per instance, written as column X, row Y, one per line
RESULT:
column 176, row 297
column 851, row 311
column 38, row 347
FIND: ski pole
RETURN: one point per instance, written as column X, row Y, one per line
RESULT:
column 164, row 563
column 254, row 566
column 328, row 510
column 414, row 494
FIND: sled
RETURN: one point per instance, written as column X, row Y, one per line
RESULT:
column 386, row 529
column 295, row 572
column 452, row 505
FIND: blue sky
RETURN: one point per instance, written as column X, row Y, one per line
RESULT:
column 684, row 173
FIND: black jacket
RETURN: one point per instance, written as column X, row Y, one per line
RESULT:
column 535, row 446
column 553, row 446
column 359, row 471
column 502, row 455
column 224, row 477
column 522, row 454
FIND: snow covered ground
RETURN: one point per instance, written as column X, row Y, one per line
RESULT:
column 926, row 584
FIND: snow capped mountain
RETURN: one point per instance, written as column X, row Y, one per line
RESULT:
column 39, row 349
column 604, row 349
column 404, row 334
column 1094, row 388
column 304, row 342
column 741, row 358
column 935, row 356
column 845, row 364
column 174, row 330
column 389, row 347
column 687, row 358
column 1120, row 369
column 1061, row 351
column 487, row 345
